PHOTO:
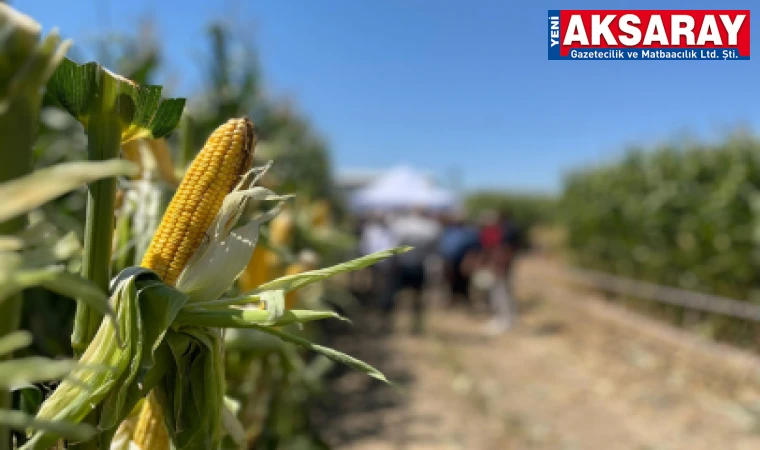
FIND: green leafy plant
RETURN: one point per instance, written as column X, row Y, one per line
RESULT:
column 683, row 215
column 32, row 253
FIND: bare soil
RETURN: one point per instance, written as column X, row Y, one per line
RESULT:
column 576, row 373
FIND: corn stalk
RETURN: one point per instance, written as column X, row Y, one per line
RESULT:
column 113, row 110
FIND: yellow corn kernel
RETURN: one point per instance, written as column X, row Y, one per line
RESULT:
column 227, row 155
column 150, row 432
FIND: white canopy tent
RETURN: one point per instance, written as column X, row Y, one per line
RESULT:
column 402, row 187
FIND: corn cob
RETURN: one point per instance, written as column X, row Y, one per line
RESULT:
column 320, row 214
column 266, row 264
column 257, row 272
column 150, row 432
column 281, row 229
column 216, row 170
column 214, row 173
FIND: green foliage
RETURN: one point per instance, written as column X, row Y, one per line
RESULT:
column 153, row 342
column 683, row 215
column 163, row 341
column 31, row 255
column 88, row 90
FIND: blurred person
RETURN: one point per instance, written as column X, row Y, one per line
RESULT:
column 491, row 230
column 416, row 229
column 498, row 240
column 376, row 236
column 459, row 246
column 511, row 234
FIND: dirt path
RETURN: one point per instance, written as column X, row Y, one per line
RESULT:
column 576, row 374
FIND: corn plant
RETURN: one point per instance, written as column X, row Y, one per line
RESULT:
column 198, row 250
column 149, row 369
column 169, row 312
column 683, row 215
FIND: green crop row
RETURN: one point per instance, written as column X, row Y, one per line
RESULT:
column 683, row 215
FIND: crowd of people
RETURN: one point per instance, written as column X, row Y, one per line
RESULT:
column 463, row 255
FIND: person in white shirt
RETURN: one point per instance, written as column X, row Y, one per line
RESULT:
column 375, row 237
column 415, row 229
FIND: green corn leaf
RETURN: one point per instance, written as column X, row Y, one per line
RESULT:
column 27, row 193
column 333, row 354
column 145, row 309
column 83, row 290
column 25, row 67
column 252, row 340
column 158, row 308
column 54, row 251
column 248, row 318
column 140, row 110
column 192, row 392
column 20, row 421
column 292, row 282
column 15, row 341
column 33, row 369
column 15, row 279
column 30, row 398
column 56, row 279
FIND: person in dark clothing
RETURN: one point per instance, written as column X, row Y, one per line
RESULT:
column 458, row 246
column 511, row 234
column 416, row 229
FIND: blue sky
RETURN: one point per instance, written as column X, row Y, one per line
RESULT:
column 446, row 85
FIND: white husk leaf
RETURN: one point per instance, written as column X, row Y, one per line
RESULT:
column 226, row 251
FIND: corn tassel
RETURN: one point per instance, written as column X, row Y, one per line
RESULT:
column 215, row 171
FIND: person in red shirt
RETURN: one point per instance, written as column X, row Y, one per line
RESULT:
column 491, row 234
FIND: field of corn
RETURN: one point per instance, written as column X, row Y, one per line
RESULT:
column 173, row 274
column 685, row 215
column 174, row 228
